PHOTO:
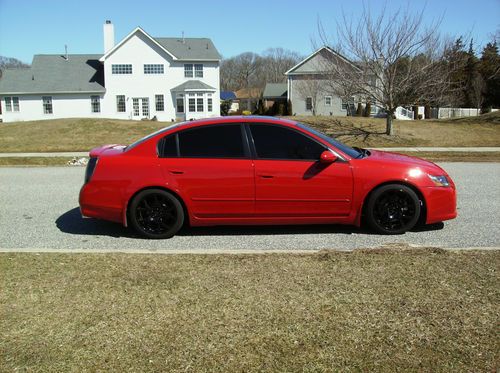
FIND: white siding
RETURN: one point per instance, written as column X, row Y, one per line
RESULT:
column 63, row 106
column 139, row 50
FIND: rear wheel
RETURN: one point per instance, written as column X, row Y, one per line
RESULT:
column 393, row 209
column 155, row 213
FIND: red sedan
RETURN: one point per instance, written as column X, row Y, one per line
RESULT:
column 259, row 170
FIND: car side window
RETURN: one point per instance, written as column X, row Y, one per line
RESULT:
column 275, row 142
column 217, row 141
column 167, row 147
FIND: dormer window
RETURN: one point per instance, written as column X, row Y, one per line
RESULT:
column 193, row 70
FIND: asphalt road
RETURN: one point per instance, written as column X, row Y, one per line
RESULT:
column 39, row 210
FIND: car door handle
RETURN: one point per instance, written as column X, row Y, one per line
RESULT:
column 176, row 172
column 266, row 176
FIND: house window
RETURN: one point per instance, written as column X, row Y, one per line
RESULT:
column 159, row 103
column 345, row 103
column 192, row 105
column 120, row 103
column 47, row 104
column 180, row 104
column 121, row 69
column 199, row 102
column 198, row 70
column 309, row 103
column 135, row 106
column 145, row 107
column 11, row 103
column 95, row 104
column 209, row 104
column 188, row 70
column 153, row 69
column 328, row 100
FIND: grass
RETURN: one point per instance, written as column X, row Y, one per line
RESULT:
column 84, row 134
column 34, row 161
column 380, row 310
column 369, row 132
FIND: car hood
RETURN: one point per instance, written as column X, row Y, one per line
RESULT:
column 396, row 159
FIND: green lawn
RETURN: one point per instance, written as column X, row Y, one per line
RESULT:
column 84, row 134
column 416, row 310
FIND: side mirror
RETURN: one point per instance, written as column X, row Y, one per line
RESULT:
column 327, row 157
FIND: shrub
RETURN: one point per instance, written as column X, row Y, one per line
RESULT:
column 246, row 112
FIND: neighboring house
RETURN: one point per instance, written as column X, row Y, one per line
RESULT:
column 274, row 93
column 230, row 96
column 248, row 98
column 140, row 77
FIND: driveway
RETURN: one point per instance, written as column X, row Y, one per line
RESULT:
column 39, row 210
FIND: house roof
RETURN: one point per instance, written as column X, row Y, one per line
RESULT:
column 187, row 49
column 248, row 93
column 227, row 95
column 314, row 69
column 193, row 85
column 190, row 48
column 80, row 73
column 274, row 90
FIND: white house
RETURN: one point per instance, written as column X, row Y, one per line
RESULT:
column 140, row 77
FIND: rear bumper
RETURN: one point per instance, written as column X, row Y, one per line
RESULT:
column 441, row 203
column 94, row 204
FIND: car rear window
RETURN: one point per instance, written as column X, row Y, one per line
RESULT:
column 218, row 141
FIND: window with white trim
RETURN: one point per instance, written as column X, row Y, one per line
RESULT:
column 159, row 103
column 11, row 104
column 209, row 104
column 121, row 69
column 120, row 104
column 328, row 100
column 188, row 70
column 47, row 104
column 179, row 101
column 192, row 104
column 199, row 103
column 153, row 69
column 198, row 70
column 95, row 104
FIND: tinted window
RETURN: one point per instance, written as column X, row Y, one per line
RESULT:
column 274, row 142
column 220, row 141
column 168, row 146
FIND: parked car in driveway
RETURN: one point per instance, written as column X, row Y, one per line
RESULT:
column 259, row 170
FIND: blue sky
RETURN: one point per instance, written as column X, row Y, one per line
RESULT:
column 29, row 27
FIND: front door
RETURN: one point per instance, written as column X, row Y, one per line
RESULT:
column 289, row 180
column 140, row 107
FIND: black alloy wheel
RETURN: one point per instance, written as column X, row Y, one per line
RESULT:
column 393, row 209
column 155, row 213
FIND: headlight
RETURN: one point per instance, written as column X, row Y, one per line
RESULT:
column 440, row 180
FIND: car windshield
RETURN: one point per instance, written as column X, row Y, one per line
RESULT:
column 353, row 153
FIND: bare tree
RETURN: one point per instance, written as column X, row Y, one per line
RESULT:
column 399, row 62
column 309, row 88
column 276, row 61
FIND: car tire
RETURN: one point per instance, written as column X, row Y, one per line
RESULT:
column 156, row 213
column 393, row 209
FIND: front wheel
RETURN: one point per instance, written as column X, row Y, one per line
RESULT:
column 393, row 209
column 155, row 213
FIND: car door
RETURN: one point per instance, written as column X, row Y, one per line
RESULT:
column 289, row 179
column 212, row 168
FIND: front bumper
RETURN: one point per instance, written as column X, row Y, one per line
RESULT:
column 441, row 203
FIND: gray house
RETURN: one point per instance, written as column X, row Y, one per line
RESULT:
column 309, row 89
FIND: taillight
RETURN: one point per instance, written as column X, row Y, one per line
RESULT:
column 90, row 169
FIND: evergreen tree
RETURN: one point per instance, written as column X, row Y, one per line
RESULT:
column 489, row 67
